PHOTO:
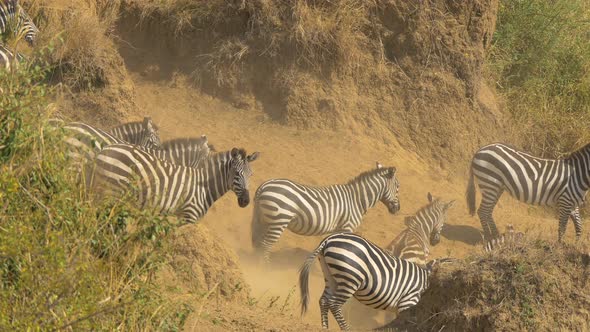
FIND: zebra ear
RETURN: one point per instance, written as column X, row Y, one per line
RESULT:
column 390, row 173
column 429, row 196
column 379, row 166
column 253, row 157
column 235, row 152
column 149, row 124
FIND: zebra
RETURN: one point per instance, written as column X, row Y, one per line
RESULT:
column 307, row 210
column 353, row 266
column 13, row 17
column 143, row 133
column 423, row 230
column 189, row 152
column 509, row 237
column 552, row 182
column 9, row 59
column 86, row 140
column 186, row 192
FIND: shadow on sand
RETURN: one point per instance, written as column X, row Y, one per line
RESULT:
column 463, row 233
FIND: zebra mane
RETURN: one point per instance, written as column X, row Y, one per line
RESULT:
column 579, row 152
column 371, row 173
column 413, row 220
column 227, row 153
column 135, row 123
column 188, row 141
column 242, row 152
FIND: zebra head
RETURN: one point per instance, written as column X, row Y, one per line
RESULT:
column 241, row 173
column 439, row 215
column 15, row 18
column 390, row 193
column 28, row 28
column 151, row 137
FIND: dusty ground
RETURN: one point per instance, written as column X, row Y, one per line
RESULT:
column 318, row 158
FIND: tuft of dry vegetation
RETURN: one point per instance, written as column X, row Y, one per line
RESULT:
column 533, row 285
column 81, row 33
column 83, row 58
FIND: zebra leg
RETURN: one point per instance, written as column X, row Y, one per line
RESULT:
column 324, row 308
column 273, row 233
column 564, row 214
column 335, row 305
column 577, row 219
column 489, row 199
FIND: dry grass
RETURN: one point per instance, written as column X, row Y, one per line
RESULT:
column 80, row 34
column 313, row 34
column 534, row 285
column 326, row 64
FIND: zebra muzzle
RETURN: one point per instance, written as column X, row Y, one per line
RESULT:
column 393, row 207
column 244, row 199
column 434, row 239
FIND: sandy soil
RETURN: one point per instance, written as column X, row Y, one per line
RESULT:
column 317, row 158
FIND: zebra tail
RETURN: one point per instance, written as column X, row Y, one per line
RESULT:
column 470, row 194
column 304, row 276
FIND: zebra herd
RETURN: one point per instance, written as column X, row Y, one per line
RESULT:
column 181, row 177
column 15, row 19
column 185, row 176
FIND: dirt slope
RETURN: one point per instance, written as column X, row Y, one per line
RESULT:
column 409, row 68
column 315, row 157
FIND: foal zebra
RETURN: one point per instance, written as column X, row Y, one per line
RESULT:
column 552, row 182
column 423, row 231
column 308, row 210
column 9, row 59
column 353, row 266
column 14, row 18
column 186, row 192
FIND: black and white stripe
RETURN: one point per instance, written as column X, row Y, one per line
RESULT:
column 9, row 59
column 423, row 230
column 189, row 152
column 143, row 133
column 553, row 182
column 510, row 237
column 14, row 18
column 308, row 210
column 85, row 141
column 353, row 266
column 186, row 192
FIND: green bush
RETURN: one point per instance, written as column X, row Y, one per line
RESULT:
column 540, row 60
column 66, row 261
